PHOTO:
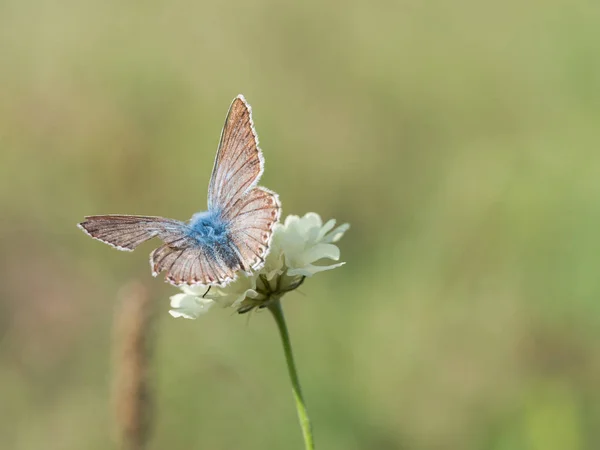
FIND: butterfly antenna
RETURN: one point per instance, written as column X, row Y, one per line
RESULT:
column 207, row 291
column 248, row 318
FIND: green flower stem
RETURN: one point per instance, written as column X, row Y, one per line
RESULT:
column 277, row 311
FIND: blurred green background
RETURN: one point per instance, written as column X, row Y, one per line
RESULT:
column 461, row 140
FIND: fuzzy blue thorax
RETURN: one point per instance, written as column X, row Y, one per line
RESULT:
column 208, row 228
column 211, row 233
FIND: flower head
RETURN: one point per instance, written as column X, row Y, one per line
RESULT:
column 299, row 248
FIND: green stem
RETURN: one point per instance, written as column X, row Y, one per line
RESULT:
column 277, row 311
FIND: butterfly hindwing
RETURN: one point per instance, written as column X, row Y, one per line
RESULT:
column 252, row 219
column 196, row 264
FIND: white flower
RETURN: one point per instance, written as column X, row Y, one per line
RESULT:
column 298, row 249
column 306, row 240
column 197, row 300
column 188, row 305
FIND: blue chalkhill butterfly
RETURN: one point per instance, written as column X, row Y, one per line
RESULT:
column 233, row 235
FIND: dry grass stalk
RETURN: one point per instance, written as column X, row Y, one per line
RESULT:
column 133, row 345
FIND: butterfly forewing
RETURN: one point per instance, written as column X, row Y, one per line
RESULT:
column 239, row 161
column 127, row 232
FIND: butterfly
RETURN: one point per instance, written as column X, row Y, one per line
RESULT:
column 233, row 235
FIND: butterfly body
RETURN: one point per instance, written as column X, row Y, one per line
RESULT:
column 208, row 227
column 233, row 235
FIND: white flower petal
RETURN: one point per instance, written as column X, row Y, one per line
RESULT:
column 289, row 220
column 239, row 298
column 336, row 234
column 269, row 275
column 321, row 251
column 234, row 293
column 311, row 225
column 310, row 269
column 189, row 306
column 193, row 290
column 312, row 219
column 274, row 263
column 325, row 229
